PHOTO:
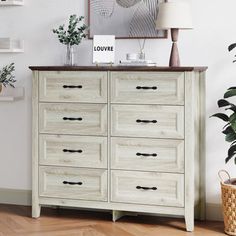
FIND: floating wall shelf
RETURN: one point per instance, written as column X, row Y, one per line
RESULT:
column 11, row 3
column 11, row 94
column 8, row 45
column 12, row 50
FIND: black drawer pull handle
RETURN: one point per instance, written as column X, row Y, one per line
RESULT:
column 146, row 188
column 146, row 154
column 72, row 183
column 72, row 151
column 146, row 121
column 72, row 119
column 146, row 87
column 73, row 86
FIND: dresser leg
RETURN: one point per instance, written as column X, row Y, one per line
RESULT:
column 189, row 222
column 36, row 209
column 116, row 215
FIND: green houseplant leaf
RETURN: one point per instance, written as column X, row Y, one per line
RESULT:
column 231, row 46
column 221, row 116
column 232, row 151
column 227, row 159
column 230, row 137
column 230, row 93
column 228, row 130
column 234, row 142
column 232, row 108
column 223, row 103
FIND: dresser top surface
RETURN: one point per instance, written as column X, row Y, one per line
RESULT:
column 117, row 68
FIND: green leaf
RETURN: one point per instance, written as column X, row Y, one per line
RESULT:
column 231, row 46
column 228, row 130
column 232, row 118
column 227, row 159
column 233, row 127
column 231, row 88
column 232, row 150
column 230, row 93
column 232, row 108
column 230, row 137
column 233, row 143
column 221, row 116
column 223, row 103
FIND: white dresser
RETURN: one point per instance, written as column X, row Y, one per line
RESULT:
column 121, row 139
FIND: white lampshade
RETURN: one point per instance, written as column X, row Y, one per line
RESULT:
column 174, row 15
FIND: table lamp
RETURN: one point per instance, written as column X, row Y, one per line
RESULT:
column 174, row 16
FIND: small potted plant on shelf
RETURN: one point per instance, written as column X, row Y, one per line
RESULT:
column 228, row 185
column 6, row 76
column 71, row 36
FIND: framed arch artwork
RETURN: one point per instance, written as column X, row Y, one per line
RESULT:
column 125, row 19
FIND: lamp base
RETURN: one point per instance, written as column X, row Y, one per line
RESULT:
column 174, row 56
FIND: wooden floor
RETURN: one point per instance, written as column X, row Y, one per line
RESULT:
column 16, row 220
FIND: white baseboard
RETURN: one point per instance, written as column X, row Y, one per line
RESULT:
column 15, row 196
column 23, row 197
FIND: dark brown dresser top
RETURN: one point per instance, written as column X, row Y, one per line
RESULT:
column 116, row 68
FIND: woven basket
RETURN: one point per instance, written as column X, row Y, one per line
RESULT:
column 228, row 195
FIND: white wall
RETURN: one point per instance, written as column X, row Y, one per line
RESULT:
column 206, row 45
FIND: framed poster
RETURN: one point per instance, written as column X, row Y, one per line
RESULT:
column 125, row 19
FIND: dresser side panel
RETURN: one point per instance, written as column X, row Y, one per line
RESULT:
column 202, row 144
column 35, row 98
column 190, row 137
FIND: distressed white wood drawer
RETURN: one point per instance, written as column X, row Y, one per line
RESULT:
column 84, row 119
column 73, row 183
column 77, row 151
column 148, row 188
column 73, row 86
column 148, row 121
column 147, row 154
column 147, row 88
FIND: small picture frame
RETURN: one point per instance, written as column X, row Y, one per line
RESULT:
column 104, row 49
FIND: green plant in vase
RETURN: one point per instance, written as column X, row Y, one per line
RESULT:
column 6, row 76
column 71, row 36
column 228, row 190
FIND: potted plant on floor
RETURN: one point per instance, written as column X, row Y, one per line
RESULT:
column 71, row 36
column 6, row 76
column 228, row 186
